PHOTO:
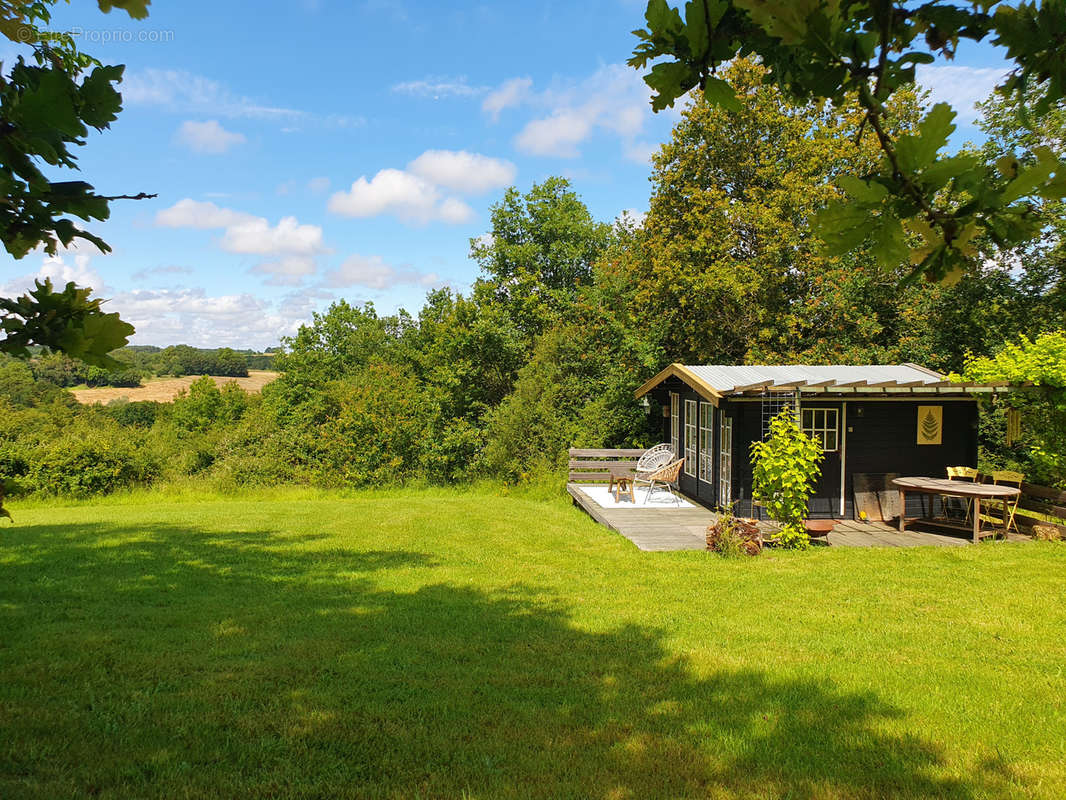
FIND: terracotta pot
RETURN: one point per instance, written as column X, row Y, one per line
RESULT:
column 819, row 527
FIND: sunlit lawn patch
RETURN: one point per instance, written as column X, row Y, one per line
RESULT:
column 436, row 644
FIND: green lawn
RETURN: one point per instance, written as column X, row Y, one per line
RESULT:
column 435, row 644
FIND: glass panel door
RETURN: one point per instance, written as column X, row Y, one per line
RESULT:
column 725, row 462
column 706, row 442
column 690, row 438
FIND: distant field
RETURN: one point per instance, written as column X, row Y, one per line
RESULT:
column 163, row 390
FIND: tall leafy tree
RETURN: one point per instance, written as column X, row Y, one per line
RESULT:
column 906, row 205
column 1040, row 264
column 539, row 251
column 731, row 269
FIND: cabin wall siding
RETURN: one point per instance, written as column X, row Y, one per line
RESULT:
column 876, row 437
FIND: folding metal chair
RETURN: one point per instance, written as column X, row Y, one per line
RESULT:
column 968, row 474
column 1006, row 477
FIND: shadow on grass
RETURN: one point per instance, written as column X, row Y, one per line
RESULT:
column 188, row 662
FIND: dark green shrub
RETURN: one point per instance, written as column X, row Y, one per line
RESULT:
column 205, row 406
column 19, row 386
column 85, row 466
column 377, row 435
column 97, row 376
column 137, row 414
column 449, row 453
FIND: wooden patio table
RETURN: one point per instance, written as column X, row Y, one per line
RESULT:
column 942, row 486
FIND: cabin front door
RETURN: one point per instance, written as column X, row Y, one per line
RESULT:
column 823, row 424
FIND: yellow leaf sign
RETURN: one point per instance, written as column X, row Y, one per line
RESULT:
column 930, row 424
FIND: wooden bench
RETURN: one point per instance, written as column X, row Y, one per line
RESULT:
column 598, row 465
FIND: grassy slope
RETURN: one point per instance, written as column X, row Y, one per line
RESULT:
column 431, row 644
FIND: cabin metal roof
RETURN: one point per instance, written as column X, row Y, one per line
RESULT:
column 714, row 381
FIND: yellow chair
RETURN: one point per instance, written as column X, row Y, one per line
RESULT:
column 1006, row 477
column 968, row 474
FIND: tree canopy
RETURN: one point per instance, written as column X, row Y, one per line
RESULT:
column 539, row 251
column 918, row 204
column 46, row 108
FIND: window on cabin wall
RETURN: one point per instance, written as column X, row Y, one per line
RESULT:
column 706, row 442
column 823, row 425
column 690, row 437
column 675, row 438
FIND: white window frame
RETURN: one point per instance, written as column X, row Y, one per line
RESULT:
column 690, row 438
column 725, row 460
column 706, row 439
column 675, row 431
column 823, row 425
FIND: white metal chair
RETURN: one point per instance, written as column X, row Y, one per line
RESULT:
column 655, row 458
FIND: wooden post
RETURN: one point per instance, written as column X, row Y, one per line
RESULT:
column 902, row 509
column 976, row 519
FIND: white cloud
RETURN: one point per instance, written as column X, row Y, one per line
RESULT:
column 470, row 173
column 151, row 272
column 640, row 152
column 510, row 93
column 288, row 270
column 179, row 90
column 207, row 137
column 190, row 315
column 557, row 135
column 455, row 211
column 289, row 247
column 415, row 194
column 374, row 273
column 439, row 87
column 185, row 92
column 189, row 213
column 258, row 237
column 318, row 185
column 613, row 99
column 407, row 196
column 961, row 87
column 68, row 265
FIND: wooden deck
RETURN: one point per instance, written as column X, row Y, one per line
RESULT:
column 662, row 529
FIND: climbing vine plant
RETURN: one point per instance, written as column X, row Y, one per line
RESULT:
column 785, row 469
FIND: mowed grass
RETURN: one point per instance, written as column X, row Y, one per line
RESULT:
column 426, row 644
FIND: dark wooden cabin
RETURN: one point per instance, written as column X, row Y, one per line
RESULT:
column 870, row 420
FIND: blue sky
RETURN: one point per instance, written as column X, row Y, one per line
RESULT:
column 319, row 149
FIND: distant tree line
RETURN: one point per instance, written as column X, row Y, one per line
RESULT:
column 146, row 361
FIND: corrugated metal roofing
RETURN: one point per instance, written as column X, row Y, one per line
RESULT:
column 726, row 379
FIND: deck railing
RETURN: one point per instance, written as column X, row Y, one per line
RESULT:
column 593, row 466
